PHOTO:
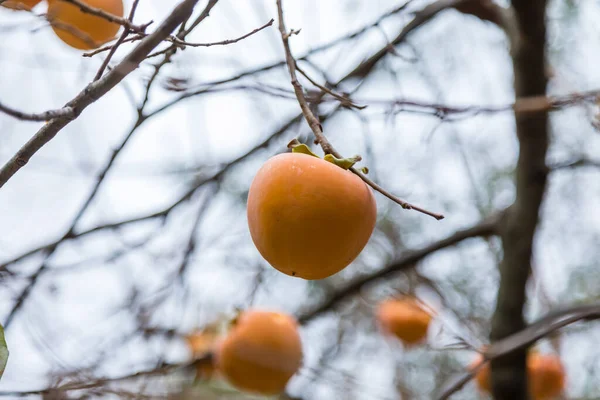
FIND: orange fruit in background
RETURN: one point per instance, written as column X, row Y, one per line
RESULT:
column 545, row 374
column 548, row 379
column 20, row 4
column 202, row 344
column 405, row 319
column 261, row 352
column 85, row 31
column 482, row 378
column 308, row 217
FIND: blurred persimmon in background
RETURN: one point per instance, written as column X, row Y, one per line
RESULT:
column 546, row 375
column 202, row 345
column 20, row 4
column 405, row 319
column 261, row 352
column 82, row 30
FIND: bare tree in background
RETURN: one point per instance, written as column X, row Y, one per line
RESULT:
column 123, row 205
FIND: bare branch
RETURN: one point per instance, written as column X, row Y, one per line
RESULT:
column 162, row 370
column 312, row 121
column 315, row 125
column 66, row 112
column 88, row 96
column 205, row 13
column 182, row 43
column 484, row 228
column 568, row 165
column 363, row 69
column 522, row 105
column 96, row 90
column 125, row 22
column 421, row 17
column 73, row 235
column 346, row 102
column 114, row 48
column 528, row 336
column 228, row 41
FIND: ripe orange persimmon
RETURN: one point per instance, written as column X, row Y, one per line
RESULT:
column 82, row 30
column 21, row 4
column 545, row 374
column 261, row 352
column 308, row 217
column 404, row 318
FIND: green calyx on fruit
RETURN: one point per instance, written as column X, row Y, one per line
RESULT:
column 298, row 147
column 344, row 163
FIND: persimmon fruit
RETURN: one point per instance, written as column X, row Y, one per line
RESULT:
column 21, row 4
column 545, row 374
column 405, row 319
column 203, row 344
column 308, row 217
column 261, row 352
column 81, row 30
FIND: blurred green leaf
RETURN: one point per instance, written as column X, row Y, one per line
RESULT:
column 3, row 351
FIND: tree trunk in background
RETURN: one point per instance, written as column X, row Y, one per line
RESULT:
column 509, row 379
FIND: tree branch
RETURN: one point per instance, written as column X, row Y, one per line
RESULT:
column 509, row 378
column 93, row 92
column 162, row 213
column 315, row 125
column 229, row 41
column 486, row 227
column 421, row 17
column 120, row 41
column 580, row 163
column 65, row 112
column 522, row 105
column 164, row 369
column 96, row 90
column 125, row 22
column 528, row 336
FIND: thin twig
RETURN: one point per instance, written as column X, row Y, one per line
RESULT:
column 114, row 48
column 159, row 371
column 315, row 125
column 404, row 204
column 109, row 47
column 125, row 22
column 205, row 13
column 228, row 41
column 65, row 112
column 581, row 163
column 344, row 100
column 312, row 121
column 55, row 23
column 522, row 105
column 181, row 43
